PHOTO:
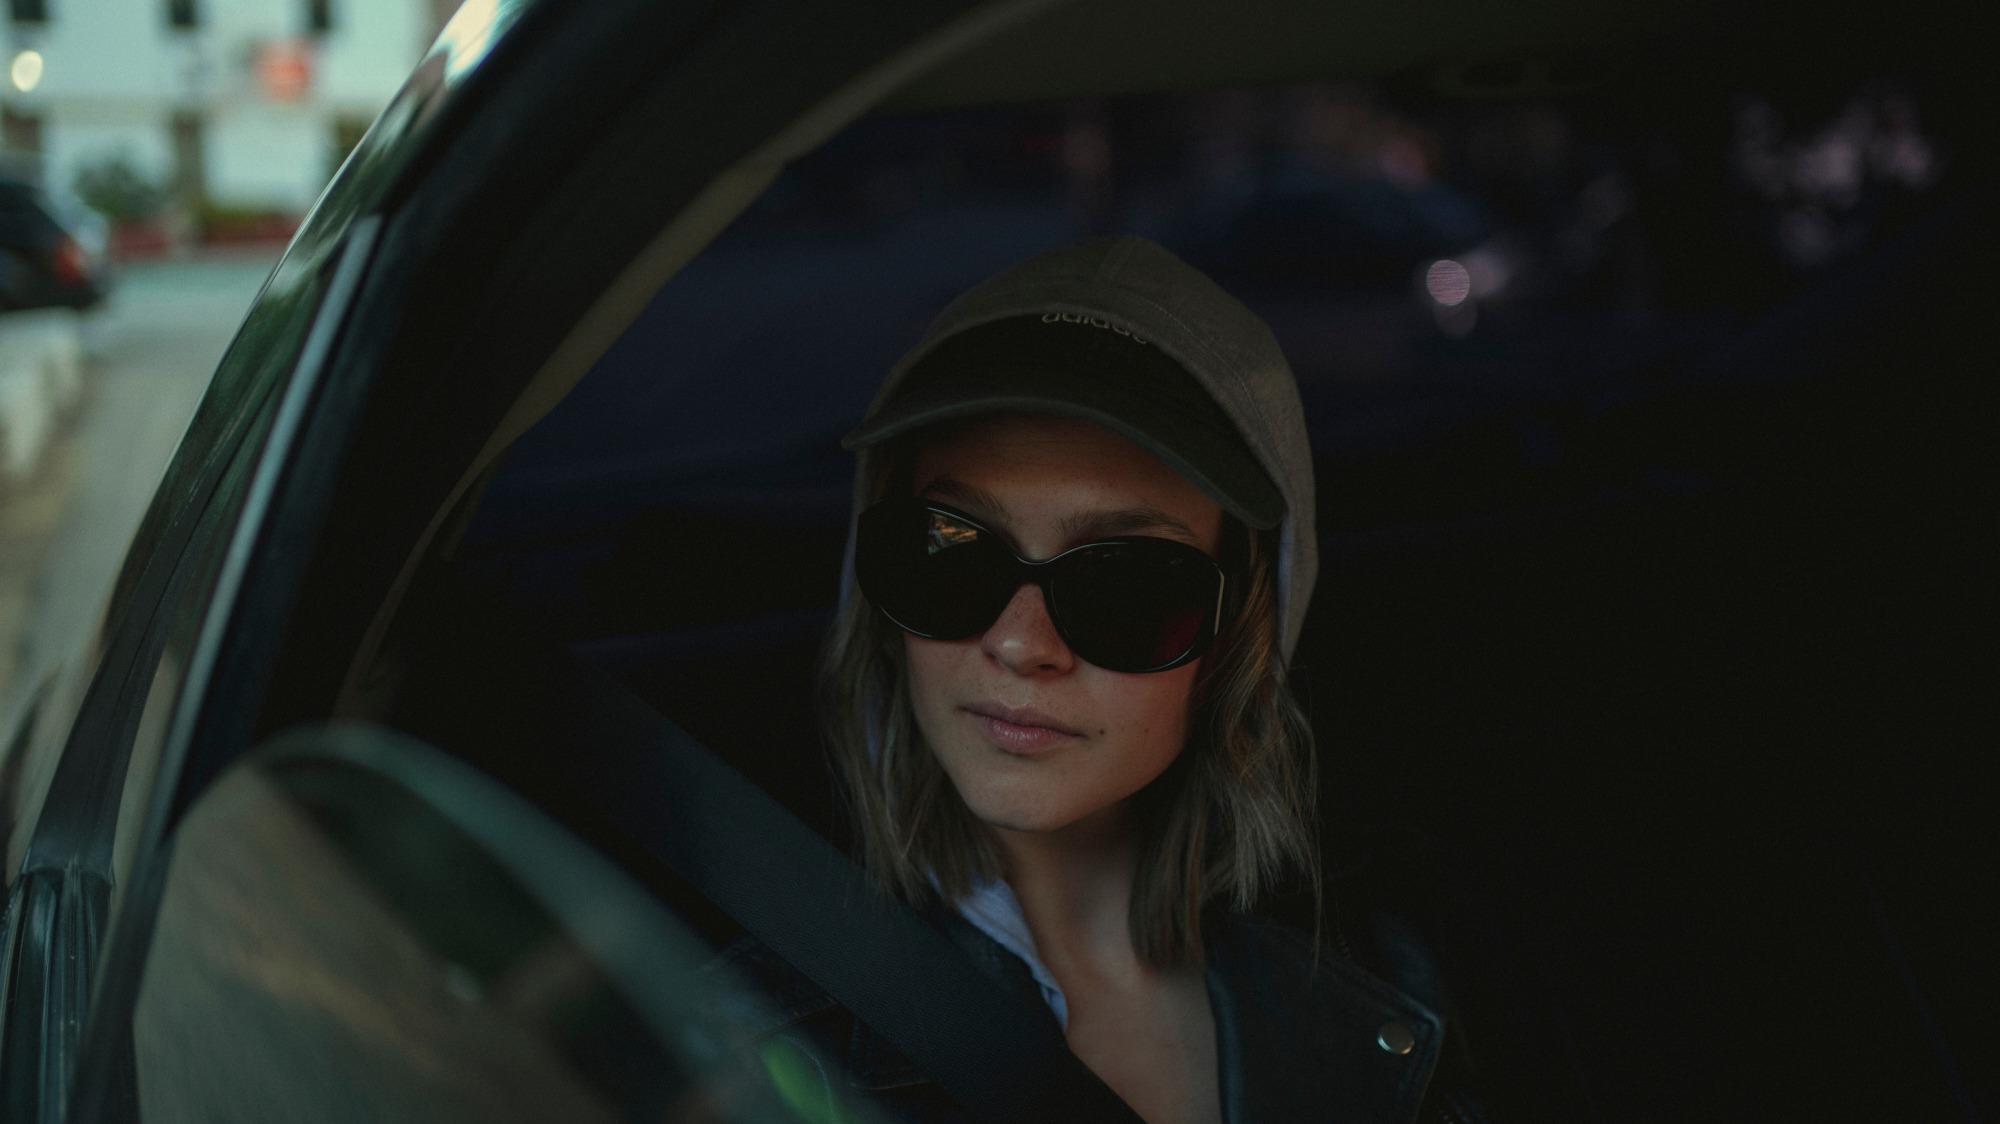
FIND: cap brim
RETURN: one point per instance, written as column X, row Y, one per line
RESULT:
column 1217, row 462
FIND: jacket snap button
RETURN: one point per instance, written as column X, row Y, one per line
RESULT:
column 1395, row 1038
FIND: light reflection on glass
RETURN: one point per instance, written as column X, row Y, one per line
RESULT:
column 1448, row 282
column 472, row 32
column 1824, row 184
column 946, row 533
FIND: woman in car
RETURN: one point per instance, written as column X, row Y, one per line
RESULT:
column 1056, row 694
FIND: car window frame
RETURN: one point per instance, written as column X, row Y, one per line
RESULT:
column 182, row 575
column 267, row 343
column 219, row 700
column 60, row 903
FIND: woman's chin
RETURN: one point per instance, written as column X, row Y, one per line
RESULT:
column 1028, row 817
column 1009, row 795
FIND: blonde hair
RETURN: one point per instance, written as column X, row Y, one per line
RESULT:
column 1222, row 824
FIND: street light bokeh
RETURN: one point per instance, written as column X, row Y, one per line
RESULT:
column 26, row 71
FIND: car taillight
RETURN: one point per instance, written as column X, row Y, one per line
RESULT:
column 72, row 265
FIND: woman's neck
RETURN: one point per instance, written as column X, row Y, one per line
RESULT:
column 1075, row 890
column 1149, row 1032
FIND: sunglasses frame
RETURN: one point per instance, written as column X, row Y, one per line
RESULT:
column 1040, row 575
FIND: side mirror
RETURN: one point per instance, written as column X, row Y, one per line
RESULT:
column 357, row 926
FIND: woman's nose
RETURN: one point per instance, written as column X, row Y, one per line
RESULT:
column 1024, row 639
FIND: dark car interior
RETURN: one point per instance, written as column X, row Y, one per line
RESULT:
column 1628, row 663
column 1648, row 388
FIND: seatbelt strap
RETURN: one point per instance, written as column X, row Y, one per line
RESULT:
column 792, row 890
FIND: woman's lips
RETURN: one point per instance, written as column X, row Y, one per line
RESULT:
column 1023, row 732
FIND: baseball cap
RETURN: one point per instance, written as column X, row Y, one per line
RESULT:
column 1121, row 333
column 1086, row 368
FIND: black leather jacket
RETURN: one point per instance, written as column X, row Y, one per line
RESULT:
column 1300, row 1036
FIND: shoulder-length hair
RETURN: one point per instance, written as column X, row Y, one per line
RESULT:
column 1226, row 821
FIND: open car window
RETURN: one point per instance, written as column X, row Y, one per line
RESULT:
column 1499, row 313
column 1552, row 351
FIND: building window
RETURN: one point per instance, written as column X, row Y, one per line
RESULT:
column 183, row 14
column 319, row 16
column 28, row 11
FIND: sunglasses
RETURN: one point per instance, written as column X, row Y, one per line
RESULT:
column 1132, row 604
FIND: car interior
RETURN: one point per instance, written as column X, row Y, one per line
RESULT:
column 1642, row 369
column 1587, row 575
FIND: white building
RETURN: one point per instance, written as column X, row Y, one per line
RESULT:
column 244, row 104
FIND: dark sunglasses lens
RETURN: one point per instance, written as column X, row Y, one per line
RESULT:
column 1136, row 606
column 934, row 575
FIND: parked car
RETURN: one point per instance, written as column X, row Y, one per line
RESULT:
column 452, row 702
column 42, row 263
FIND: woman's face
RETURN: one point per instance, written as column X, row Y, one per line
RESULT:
column 1034, row 738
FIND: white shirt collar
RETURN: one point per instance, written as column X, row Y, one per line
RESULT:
column 994, row 910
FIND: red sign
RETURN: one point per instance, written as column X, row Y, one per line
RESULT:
column 284, row 69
